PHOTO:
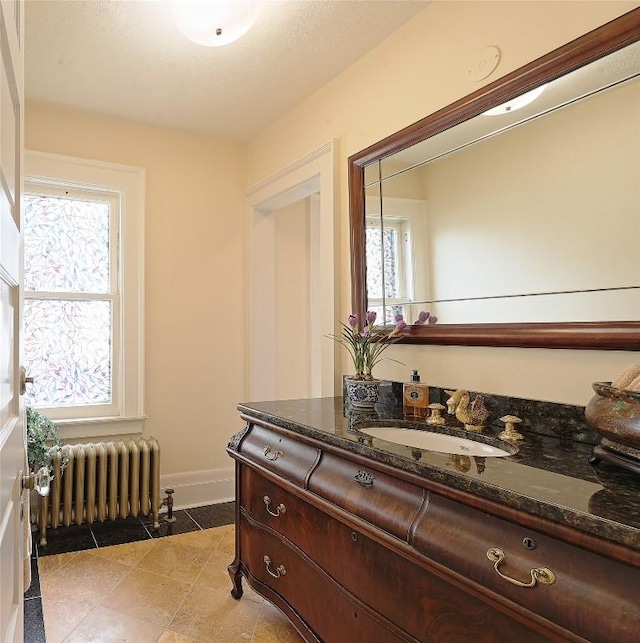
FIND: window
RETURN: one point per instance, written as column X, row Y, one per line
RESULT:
column 386, row 274
column 82, row 310
column 397, row 276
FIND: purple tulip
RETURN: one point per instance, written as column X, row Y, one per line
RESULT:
column 401, row 324
column 422, row 317
column 353, row 320
column 399, row 318
column 371, row 316
column 433, row 319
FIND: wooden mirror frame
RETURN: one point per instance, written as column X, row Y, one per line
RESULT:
column 612, row 36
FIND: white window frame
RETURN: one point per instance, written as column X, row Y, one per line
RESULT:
column 409, row 218
column 402, row 229
column 126, row 413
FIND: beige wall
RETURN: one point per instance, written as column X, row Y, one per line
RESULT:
column 194, row 274
column 195, row 218
column 293, row 285
column 419, row 69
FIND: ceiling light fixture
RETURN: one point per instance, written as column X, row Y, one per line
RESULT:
column 516, row 103
column 214, row 23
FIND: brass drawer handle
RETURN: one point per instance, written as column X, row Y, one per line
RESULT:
column 280, row 570
column 364, row 478
column 271, row 453
column 280, row 509
column 541, row 575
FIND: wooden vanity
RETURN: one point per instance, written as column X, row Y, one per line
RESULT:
column 359, row 540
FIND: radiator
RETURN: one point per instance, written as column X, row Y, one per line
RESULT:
column 102, row 481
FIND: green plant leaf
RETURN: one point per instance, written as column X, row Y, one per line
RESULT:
column 43, row 441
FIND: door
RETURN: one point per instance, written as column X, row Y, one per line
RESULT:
column 12, row 436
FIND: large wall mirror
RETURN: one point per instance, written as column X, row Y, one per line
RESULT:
column 513, row 215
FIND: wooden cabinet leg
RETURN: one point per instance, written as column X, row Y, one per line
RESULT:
column 236, row 579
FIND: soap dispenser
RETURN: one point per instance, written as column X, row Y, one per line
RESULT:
column 415, row 396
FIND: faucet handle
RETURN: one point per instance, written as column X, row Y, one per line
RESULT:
column 436, row 413
column 510, row 432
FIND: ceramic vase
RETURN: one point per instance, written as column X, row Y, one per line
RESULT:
column 615, row 415
column 362, row 394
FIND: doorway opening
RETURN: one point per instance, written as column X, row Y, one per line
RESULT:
column 291, row 281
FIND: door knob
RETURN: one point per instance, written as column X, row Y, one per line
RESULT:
column 40, row 481
column 24, row 380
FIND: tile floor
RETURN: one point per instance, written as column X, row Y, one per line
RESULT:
column 114, row 582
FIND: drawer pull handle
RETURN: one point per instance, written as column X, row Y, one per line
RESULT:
column 271, row 454
column 280, row 509
column 541, row 575
column 364, row 478
column 280, row 570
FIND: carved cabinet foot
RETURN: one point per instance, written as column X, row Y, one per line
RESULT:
column 236, row 579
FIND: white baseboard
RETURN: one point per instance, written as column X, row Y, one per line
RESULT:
column 196, row 488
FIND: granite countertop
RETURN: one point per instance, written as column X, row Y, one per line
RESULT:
column 549, row 476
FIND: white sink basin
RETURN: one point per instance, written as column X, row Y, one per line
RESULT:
column 434, row 441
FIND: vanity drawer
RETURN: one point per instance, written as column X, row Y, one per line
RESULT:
column 327, row 611
column 592, row 596
column 376, row 497
column 288, row 458
column 269, row 504
column 419, row 602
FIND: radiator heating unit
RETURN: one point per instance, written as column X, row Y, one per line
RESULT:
column 102, row 481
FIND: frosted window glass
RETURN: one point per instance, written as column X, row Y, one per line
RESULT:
column 376, row 264
column 66, row 247
column 67, row 346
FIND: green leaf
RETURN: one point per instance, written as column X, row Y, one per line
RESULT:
column 43, row 441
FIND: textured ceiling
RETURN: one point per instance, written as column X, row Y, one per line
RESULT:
column 126, row 59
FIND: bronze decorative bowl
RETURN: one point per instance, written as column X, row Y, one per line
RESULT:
column 615, row 414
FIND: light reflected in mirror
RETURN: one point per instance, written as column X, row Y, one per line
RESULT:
column 529, row 216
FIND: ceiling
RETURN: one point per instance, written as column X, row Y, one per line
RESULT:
column 126, row 59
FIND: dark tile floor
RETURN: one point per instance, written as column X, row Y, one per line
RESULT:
column 33, row 620
column 105, row 534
